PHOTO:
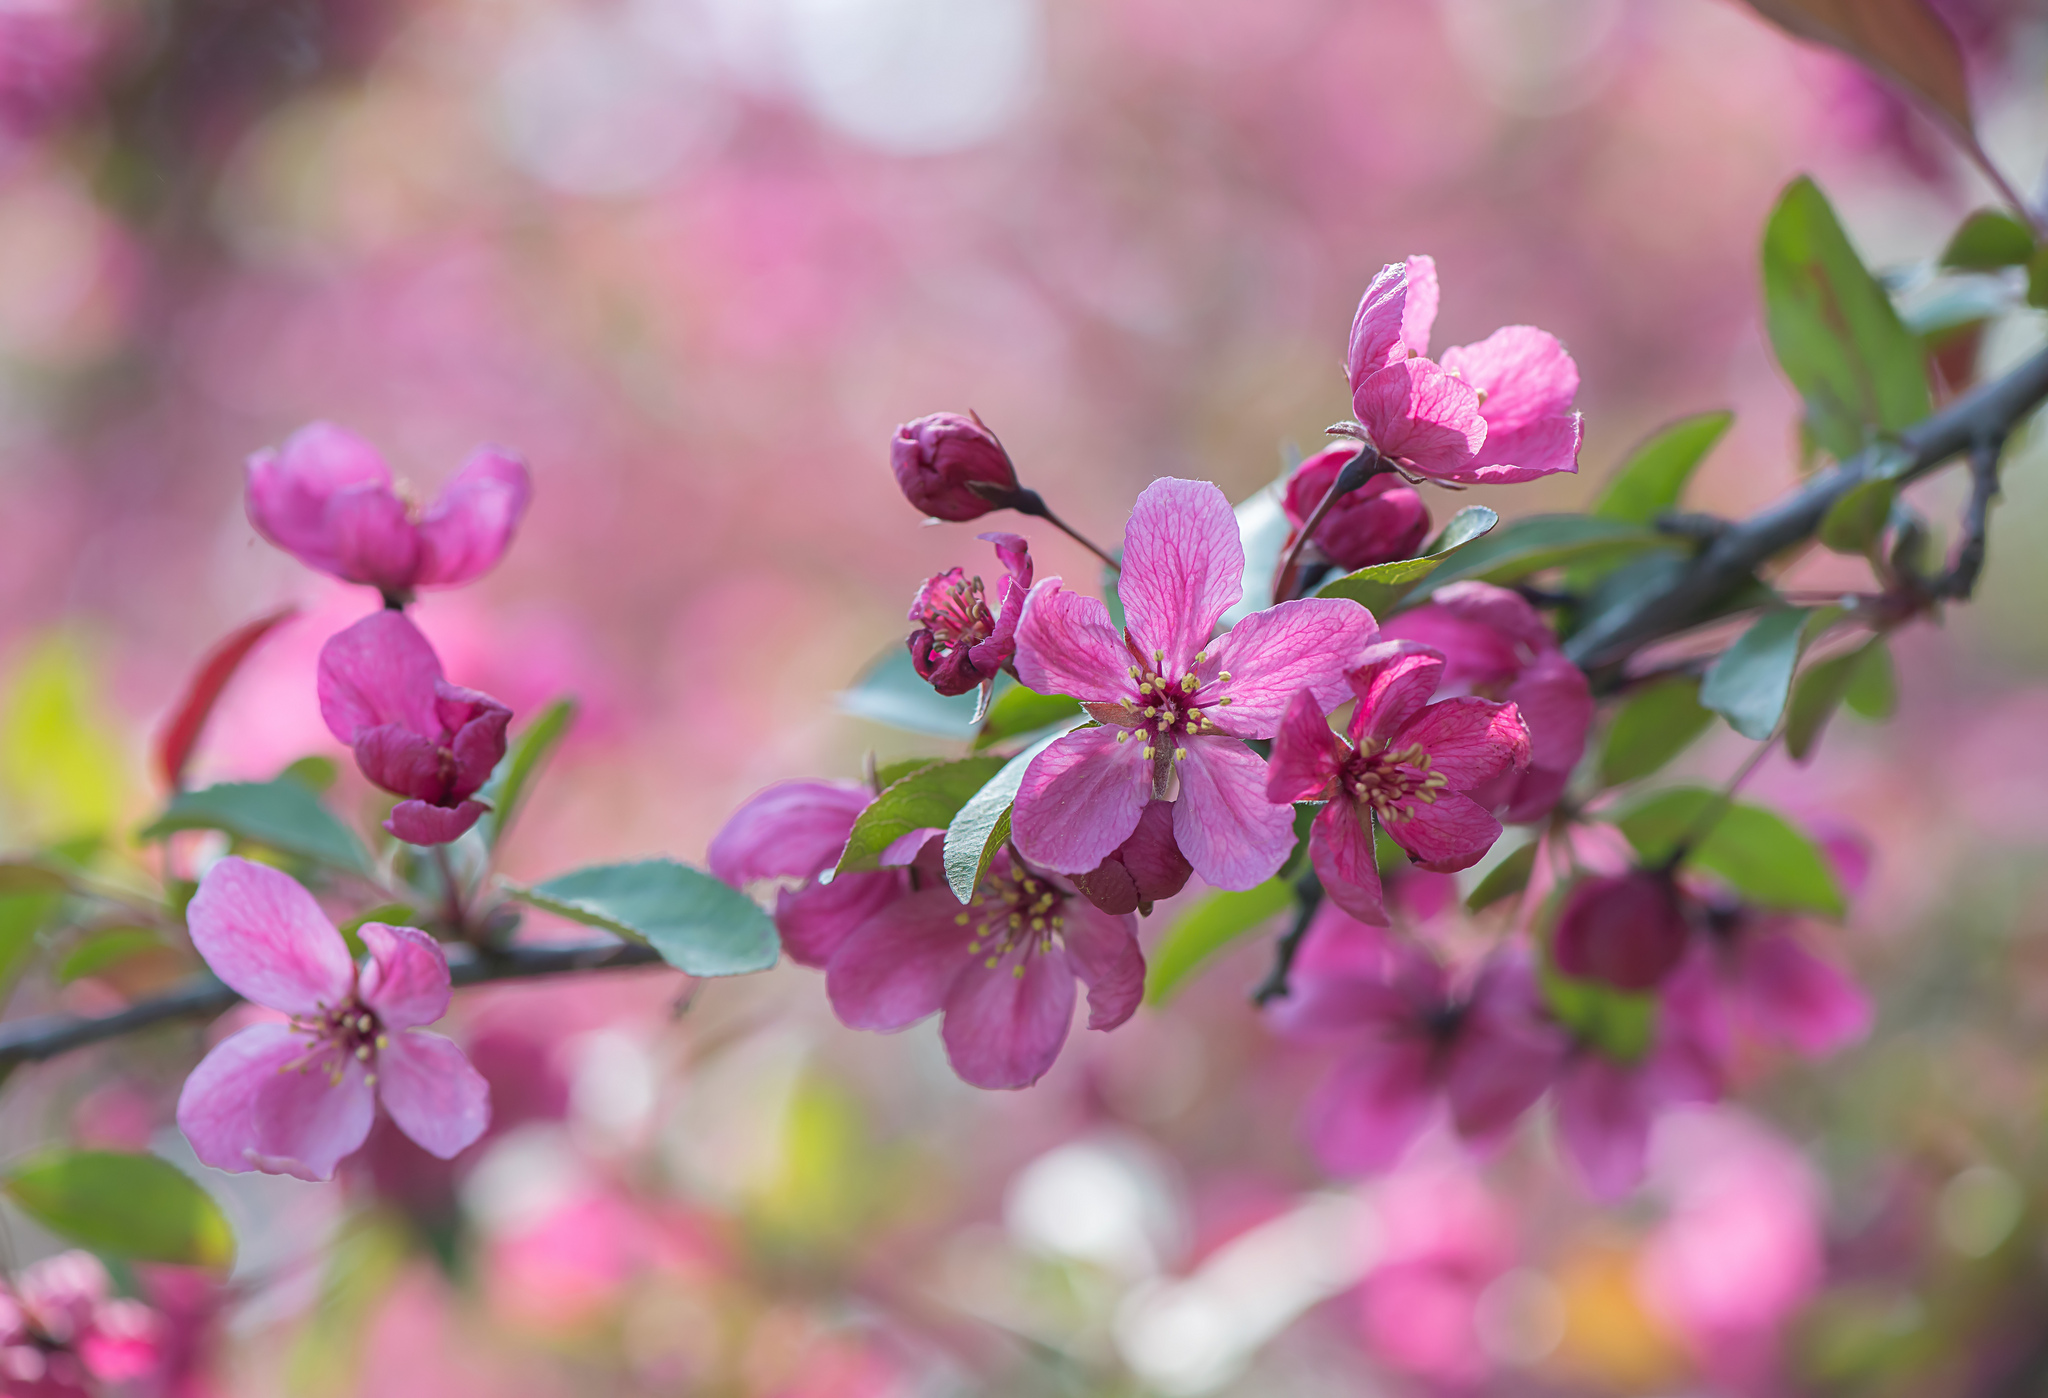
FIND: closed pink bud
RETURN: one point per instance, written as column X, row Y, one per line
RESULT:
column 1379, row 522
column 1629, row 931
column 940, row 459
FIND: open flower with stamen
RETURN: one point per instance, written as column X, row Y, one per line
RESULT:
column 1406, row 767
column 1173, row 702
column 959, row 643
column 1001, row 970
column 294, row 1098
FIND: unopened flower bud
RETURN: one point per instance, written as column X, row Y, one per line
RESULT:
column 940, row 459
column 1379, row 522
column 1629, row 931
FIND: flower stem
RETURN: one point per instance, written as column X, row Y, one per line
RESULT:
column 1030, row 502
column 1357, row 471
column 454, row 907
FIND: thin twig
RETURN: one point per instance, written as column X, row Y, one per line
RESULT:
column 1030, row 502
column 1961, row 578
column 1308, row 892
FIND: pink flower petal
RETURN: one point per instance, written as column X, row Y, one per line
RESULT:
column 246, row 1106
column 478, row 723
column 1233, row 836
column 791, row 830
column 1183, row 568
column 1544, row 448
column 1604, row 1121
column 1393, row 682
column 1272, row 656
column 1469, row 740
column 1065, row 645
column 1419, row 415
column 1556, row 702
column 288, row 490
column 1794, row 995
column 401, row 762
column 815, row 920
column 1505, row 1055
column 1306, row 754
column 1151, row 855
column 373, row 538
column 380, row 670
column 466, row 530
column 405, row 983
column 1365, row 1115
column 1522, row 373
column 1002, row 1029
column 1393, row 319
column 1342, row 854
column 1104, row 952
column 1450, row 834
column 260, row 931
column 1419, row 315
column 1343, row 1005
column 895, row 968
column 432, row 1092
column 1081, row 798
column 418, row 823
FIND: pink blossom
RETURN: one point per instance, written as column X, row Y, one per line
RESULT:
column 1606, row 1108
column 295, row 1098
column 1173, row 704
column 1496, row 645
column 414, row 734
column 48, row 50
column 63, row 1333
column 951, row 467
column 791, row 834
column 1380, row 521
column 326, row 498
column 1001, row 970
column 1406, row 767
column 1751, row 980
column 1142, row 870
column 1445, row 1239
column 1494, row 412
column 1417, row 1037
column 958, row 645
column 1629, row 930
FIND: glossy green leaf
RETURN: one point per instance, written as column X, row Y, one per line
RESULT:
column 1206, row 929
column 1760, row 855
column 978, row 830
column 1816, row 695
column 1854, row 523
column 1873, row 690
column 1652, row 726
column 507, row 789
column 1989, row 239
column 1749, row 683
column 1652, row 479
column 928, row 798
column 699, row 925
column 135, row 1206
column 1505, row 879
column 1834, row 330
column 314, row 772
column 108, row 946
column 284, row 815
column 1616, row 1022
column 1534, row 543
column 1381, row 587
column 889, row 773
column 1018, row 710
column 890, row 692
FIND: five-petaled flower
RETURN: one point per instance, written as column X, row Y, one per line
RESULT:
column 1489, row 413
column 326, row 498
column 295, row 1098
column 1001, row 970
column 1406, row 766
column 414, row 734
column 958, row 644
column 1174, row 705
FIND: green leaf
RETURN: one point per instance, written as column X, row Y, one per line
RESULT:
column 109, row 946
column 1537, row 542
column 1761, row 856
column 1989, row 239
column 1834, row 330
column 284, row 815
column 1380, row 588
column 129, row 1205
column 1652, row 479
column 1873, row 691
column 314, row 772
column 889, row 773
column 890, row 692
column 1854, row 523
column 2037, row 278
column 699, row 925
column 1748, row 684
column 1505, row 879
column 1616, row 1022
column 1020, row 709
column 530, row 751
column 928, row 798
column 978, row 830
column 1655, row 724
column 22, row 916
column 1816, row 695
column 1210, row 926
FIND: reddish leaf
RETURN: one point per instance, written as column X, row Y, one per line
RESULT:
column 1904, row 41
column 180, row 735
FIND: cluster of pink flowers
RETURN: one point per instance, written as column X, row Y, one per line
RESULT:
column 63, row 1334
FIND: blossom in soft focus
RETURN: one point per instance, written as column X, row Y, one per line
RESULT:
column 1001, row 970
column 940, row 459
column 1416, row 1036
column 1380, row 521
column 1494, row 412
column 1406, row 767
column 789, row 835
column 326, row 498
column 1606, row 1108
column 1629, row 930
column 294, row 1098
column 1496, row 645
column 414, row 734
column 1446, row 1238
column 958, row 644
column 1140, row 871
column 1173, row 704
column 48, row 49
column 1750, row 979
column 62, row 1332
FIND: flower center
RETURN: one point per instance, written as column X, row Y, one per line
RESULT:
column 954, row 609
column 1169, row 709
column 1386, row 781
column 1013, row 912
column 333, row 1036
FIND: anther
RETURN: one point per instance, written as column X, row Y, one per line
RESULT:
column 362, row 1053
column 1123, row 735
column 1150, row 753
column 383, row 1041
column 1180, row 754
column 960, row 918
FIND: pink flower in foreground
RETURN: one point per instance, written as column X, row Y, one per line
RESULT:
column 1497, row 646
column 294, row 1098
column 1418, row 1039
column 941, row 458
column 790, row 834
column 1001, row 970
column 63, row 1333
column 1174, row 705
column 1142, row 870
column 326, row 498
column 1406, row 766
column 414, row 734
column 1494, row 412
column 1751, row 980
column 958, row 644
column 1380, row 521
